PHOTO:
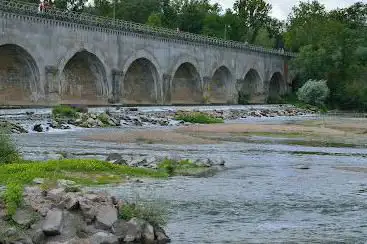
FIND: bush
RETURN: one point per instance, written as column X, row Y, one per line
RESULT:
column 66, row 111
column 314, row 92
column 8, row 150
column 172, row 166
column 13, row 197
column 198, row 117
column 153, row 213
column 243, row 98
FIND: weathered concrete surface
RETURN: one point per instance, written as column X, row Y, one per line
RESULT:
column 46, row 61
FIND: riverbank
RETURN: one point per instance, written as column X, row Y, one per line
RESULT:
column 44, row 120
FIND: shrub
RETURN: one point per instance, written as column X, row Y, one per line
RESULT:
column 8, row 150
column 243, row 98
column 13, row 197
column 66, row 111
column 153, row 213
column 314, row 92
column 198, row 117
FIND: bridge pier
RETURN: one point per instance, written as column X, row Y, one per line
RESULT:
column 52, row 86
column 207, row 80
column 117, row 76
column 166, row 96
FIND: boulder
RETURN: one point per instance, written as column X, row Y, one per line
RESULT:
column 38, row 128
column 106, row 217
column 65, row 183
column 53, row 223
column 11, row 232
column 116, row 158
column 91, row 122
column 38, row 237
column 148, row 233
column 23, row 217
column 161, row 236
column 70, row 201
column 99, row 123
column 56, row 194
column 133, row 233
column 103, row 238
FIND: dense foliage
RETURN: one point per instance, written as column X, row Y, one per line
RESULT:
column 332, row 45
column 313, row 92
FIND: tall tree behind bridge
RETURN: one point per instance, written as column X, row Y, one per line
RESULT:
column 253, row 15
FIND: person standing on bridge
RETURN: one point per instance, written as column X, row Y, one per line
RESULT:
column 41, row 6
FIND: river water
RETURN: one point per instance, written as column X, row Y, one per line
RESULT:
column 263, row 196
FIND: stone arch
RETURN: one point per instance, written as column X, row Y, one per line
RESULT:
column 277, row 86
column 219, row 85
column 186, row 85
column 19, row 76
column 249, row 87
column 140, row 82
column 83, row 79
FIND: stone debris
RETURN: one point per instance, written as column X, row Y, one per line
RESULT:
column 75, row 217
column 134, row 117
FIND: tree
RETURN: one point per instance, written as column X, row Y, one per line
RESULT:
column 72, row 5
column 253, row 15
column 304, row 24
column 154, row 20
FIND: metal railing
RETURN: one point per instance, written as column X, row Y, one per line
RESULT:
column 29, row 9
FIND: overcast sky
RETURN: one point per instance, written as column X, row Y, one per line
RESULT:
column 281, row 8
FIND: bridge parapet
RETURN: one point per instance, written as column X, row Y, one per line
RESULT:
column 109, row 23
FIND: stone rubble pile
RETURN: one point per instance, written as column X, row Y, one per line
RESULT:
column 152, row 161
column 12, row 127
column 64, row 216
column 135, row 117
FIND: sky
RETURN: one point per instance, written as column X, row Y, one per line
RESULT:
column 281, row 8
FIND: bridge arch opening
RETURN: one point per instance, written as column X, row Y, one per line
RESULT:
column 218, row 92
column 19, row 76
column 248, row 87
column 84, row 80
column 276, row 86
column 186, row 85
column 140, row 83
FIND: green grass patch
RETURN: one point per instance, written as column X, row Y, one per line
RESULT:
column 82, row 171
column 13, row 197
column 8, row 150
column 198, row 117
column 182, row 167
column 153, row 212
column 66, row 111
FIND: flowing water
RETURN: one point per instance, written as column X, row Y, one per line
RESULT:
column 263, row 196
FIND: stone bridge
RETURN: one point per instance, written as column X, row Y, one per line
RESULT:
column 64, row 57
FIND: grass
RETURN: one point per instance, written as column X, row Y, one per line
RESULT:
column 8, row 150
column 65, row 111
column 153, row 212
column 13, row 197
column 198, row 117
column 182, row 167
column 82, row 171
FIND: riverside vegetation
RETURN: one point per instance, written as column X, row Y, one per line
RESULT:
column 44, row 201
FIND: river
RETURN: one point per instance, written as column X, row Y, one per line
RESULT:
column 263, row 196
